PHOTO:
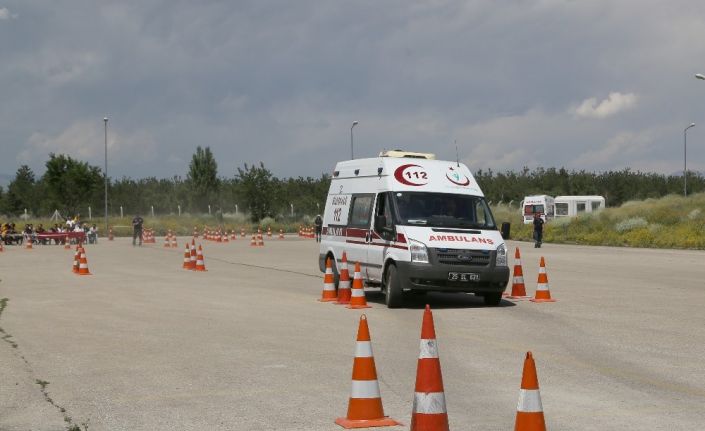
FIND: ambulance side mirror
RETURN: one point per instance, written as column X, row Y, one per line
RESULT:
column 381, row 224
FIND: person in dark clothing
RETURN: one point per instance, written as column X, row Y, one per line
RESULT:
column 319, row 227
column 137, row 229
column 538, row 230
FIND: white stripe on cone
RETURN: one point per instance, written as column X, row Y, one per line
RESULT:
column 363, row 349
column 344, row 284
column 357, row 293
column 519, row 280
column 429, row 403
column 428, row 349
column 365, row 389
column 542, row 286
column 529, row 401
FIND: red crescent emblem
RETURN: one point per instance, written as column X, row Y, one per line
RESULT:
column 464, row 183
column 399, row 175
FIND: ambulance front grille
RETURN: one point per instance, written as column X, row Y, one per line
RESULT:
column 455, row 257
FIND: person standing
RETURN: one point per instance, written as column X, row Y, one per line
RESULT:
column 538, row 230
column 137, row 229
column 319, row 227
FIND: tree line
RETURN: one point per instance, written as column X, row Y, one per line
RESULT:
column 616, row 186
column 71, row 186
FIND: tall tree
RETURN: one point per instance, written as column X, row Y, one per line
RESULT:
column 258, row 187
column 69, row 183
column 21, row 192
column 203, row 178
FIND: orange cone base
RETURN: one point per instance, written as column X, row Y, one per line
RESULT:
column 327, row 299
column 542, row 300
column 530, row 421
column 342, row 302
column 367, row 423
column 518, row 297
column 355, row 307
column 83, row 273
column 429, row 421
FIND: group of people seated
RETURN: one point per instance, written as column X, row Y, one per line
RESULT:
column 39, row 235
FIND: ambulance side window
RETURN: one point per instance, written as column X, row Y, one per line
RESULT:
column 383, row 208
column 360, row 211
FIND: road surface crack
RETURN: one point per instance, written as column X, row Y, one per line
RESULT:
column 7, row 337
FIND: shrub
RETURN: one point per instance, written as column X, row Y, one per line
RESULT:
column 631, row 224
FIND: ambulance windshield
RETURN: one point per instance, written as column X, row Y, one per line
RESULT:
column 443, row 210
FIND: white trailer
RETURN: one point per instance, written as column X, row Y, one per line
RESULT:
column 570, row 206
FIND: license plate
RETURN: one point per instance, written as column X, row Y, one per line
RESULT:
column 463, row 276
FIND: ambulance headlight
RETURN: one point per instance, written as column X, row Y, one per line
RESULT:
column 419, row 252
column 501, row 255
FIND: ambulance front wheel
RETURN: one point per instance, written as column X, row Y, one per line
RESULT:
column 492, row 299
column 393, row 291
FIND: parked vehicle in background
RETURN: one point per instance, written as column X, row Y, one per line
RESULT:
column 538, row 204
column 570, row 206
column 414, row 224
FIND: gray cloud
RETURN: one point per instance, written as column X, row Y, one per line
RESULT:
column 587, row 85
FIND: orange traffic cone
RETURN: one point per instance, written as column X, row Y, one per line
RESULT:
column 365, row 405
column 233, row 235
column 281, row 233
column 269, row 232
column 110, row 234
column 357, row 293
column 518, row 288
column 76, row 260
column 529, row 408
column 195, row 231
column 200, row 263
column 242, row 233
column 542, row 293
column 225, row 237
column 83, row 264
column 344, row 282
column 167, row 240
column 28, row 246
column 193, row 258
column 429, row 411
column 2, row 248
column 173, row 242
column 253, row 243
column 328, row 293
column 67, row 243
column 260, row 240
column 187, row 258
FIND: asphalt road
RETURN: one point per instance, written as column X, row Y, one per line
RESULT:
column 144, row 345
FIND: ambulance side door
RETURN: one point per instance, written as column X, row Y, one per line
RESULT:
column 380, row 239
column 358, row 231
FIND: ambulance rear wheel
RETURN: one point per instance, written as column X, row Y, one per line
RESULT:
column 393, row 292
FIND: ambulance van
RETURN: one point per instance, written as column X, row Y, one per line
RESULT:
column 415, row 224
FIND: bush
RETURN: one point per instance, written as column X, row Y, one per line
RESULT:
column 631, row 224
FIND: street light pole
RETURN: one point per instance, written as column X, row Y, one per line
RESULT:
column 355, row 123
column 105, row 121
column 685, row 146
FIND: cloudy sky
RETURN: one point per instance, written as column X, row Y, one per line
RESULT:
column 593, row 85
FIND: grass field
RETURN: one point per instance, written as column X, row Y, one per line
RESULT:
column 669, row 222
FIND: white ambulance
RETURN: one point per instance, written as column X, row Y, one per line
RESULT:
column 415, row 224
column 539, row 204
